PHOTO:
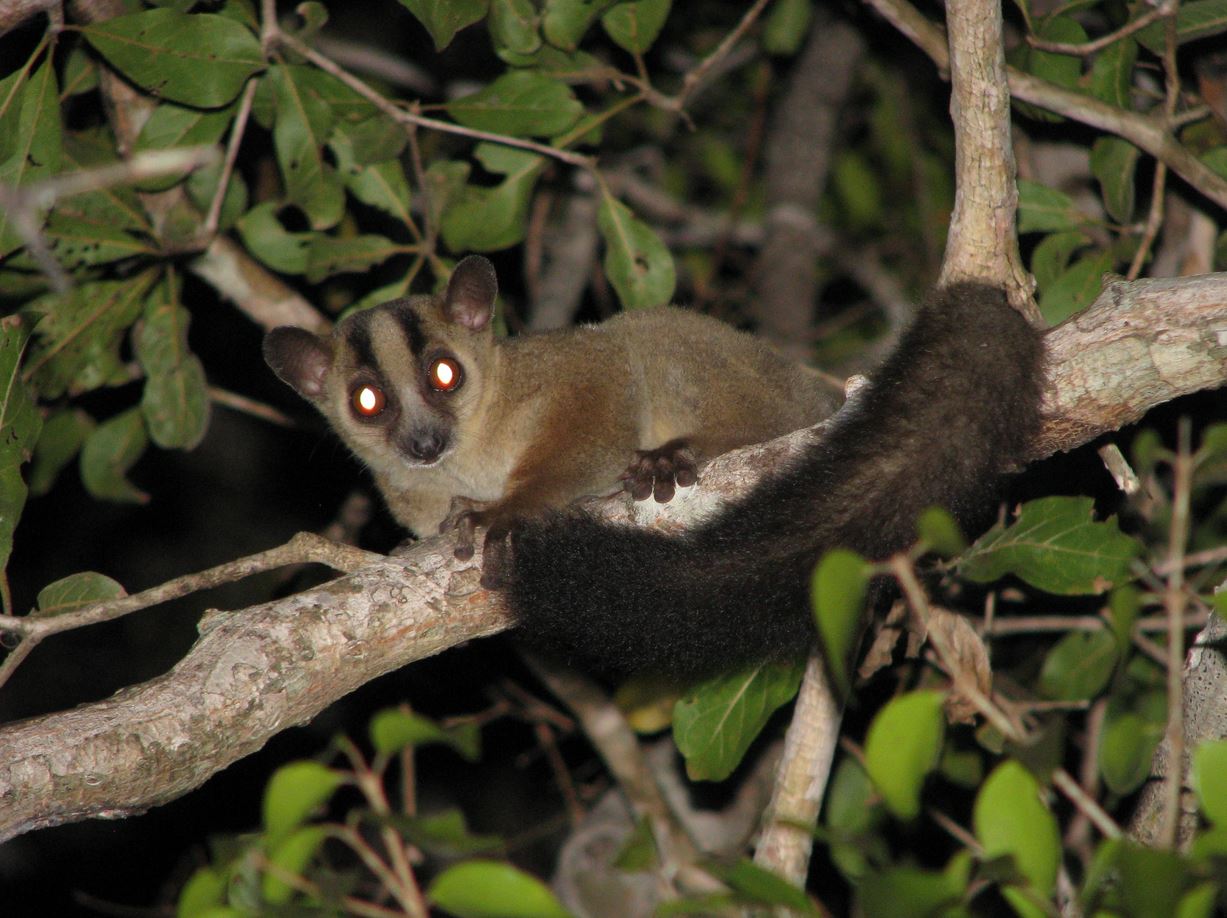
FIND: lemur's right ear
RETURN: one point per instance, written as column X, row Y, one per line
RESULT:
column 469, row 300
column 299, row 358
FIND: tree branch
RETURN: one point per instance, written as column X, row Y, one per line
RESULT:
column 254, row 672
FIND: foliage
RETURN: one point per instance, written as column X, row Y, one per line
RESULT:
column 348, row 199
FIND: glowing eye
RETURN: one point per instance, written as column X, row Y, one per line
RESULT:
column 368, row 401
column 445, row 374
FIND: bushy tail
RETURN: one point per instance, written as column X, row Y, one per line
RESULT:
column 954, row 406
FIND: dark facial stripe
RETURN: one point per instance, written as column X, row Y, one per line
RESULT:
column 411, row 327
column 358, row 336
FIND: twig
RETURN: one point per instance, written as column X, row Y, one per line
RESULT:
column 1065, row 783
column 237, row 130
column 250, row 406
column 1091, row 47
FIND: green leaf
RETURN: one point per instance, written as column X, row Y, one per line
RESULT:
column 837, row 593
column 486, row 219
column 61, row 439
column 1198, row 902
column 444, row 18
column 79, row 333
column 1010, row 819
column 445, row 834
column 1114, row 165
column 635, row 26
column 109, row 452
column 638, row 853
column 564, row 22
column 77, row 240
column 198, row 59
column 293, row 794
column 520, row 103
column 31, row 118
column 786, row 26
column 1079, row 666
column 853, row 811
column 173, row 126
column 75, row 592
column 117, row 206
column 514, row 26
column 902, row 747
column 904, row 892
column 636, row 261
column 203, row 895
column 940, row 533
column 489, row 889
column 1062, row 69
column 1045, row 210
column 202, row 188
column 175, row 401
column 1052, row 254
column 859, row 190
column 1076, row 287
column 20, row 424
column 394, row 729
column 716, row 721
column 1195, row 20
column 1128, row 741
column 1151, row 881
column 760, row 886
column 1112, row 73
column 268, row 240
column 291, row 855
column 328, row 256
column 304, row 119
column 1210, row 780
column 1124, row 607
column 1055, row 545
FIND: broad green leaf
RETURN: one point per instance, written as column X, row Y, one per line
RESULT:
column 61, row 439
column 1010, row 819
column 175, row 401
column 757, row 885
column 1112, row 73
column 1210, row 780
column 382, row 185
column 636, row 261
column 444, row 18
column 202, row 188
column 79, row 333
column 1079, row 665
column 514, row 26
column 293, row 794
column 837, row 593
column 902, row 747
column 486, row 219
column 1124, row 607
column 635, row 26
column 520, row 103
column 787, row 26
column 1114, row 165
column 119, row 206
column 197, row 59
column 77, row 591
column 1076, row 287
column 109, row 452
column 271, row 243
column 565, row 21
column 638, row 853
column 1199, row 19
column 172, row 126
column 204, row 895
column 1062, row 69
column 1052, row 254
column 489, row 889
column 31, row 117
column 393, row 729
column 328, row 256
column 940, row 533
column 79, row 241
column 291, row 856
column 1056, row 545
column 446, row 835
column 20, row 424
column 853, row 811
column 303, row 122
column 80, row 72
column 858, row 189
column 1128, row 741
column 1046, row 210
column 904, row 892
column 1199, row 902
column 716, row 721
column 1151, row 880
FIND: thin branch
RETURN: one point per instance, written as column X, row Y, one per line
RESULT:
column 1085, row 49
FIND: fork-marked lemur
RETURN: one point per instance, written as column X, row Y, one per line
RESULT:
column 462, row 430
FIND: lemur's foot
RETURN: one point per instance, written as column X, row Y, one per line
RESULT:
column 464, row 515
column 658, row 472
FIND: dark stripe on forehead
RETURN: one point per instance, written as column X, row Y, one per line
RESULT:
column 358, row 336
column 411, row 327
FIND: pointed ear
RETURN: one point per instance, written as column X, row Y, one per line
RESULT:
column 469, row 300
column 299, row 358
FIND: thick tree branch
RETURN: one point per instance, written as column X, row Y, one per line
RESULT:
column 256, row 671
